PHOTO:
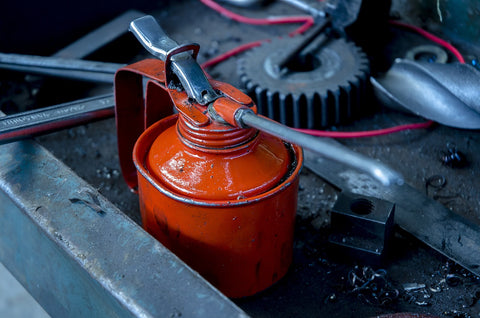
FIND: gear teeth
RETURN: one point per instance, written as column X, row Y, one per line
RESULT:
column 299, row 111
column 311, row 102
column 283, row 107
column 272, row 108
column 261, row 101
column 328, row 105
column 294, row 110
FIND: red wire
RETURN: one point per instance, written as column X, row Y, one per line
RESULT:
column 306, row 20
column 232, row 52
column 363, row 134
column 431, row 37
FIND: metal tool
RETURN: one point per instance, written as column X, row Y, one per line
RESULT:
column 426, row 219
column 80, row 49
column 66, row 64
column 197, row 88
column 304, row 6
column 299, row 4
column 343, row 12
column 445, row 93
column 147, row 35
column 48, row 119
column 92, row 71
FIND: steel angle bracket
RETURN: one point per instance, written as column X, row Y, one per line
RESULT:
column 79, row 256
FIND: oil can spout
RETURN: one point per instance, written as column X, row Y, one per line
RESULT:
column 381, row 172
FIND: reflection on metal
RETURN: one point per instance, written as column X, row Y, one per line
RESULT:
column 428, row 53
column 48, row 119
column 90, row 71
column 78, row 262
column 426, row 219
column 445, row 93
column 322, row 147
column 177, row 59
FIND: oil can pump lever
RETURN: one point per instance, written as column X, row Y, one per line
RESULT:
column 177, row 58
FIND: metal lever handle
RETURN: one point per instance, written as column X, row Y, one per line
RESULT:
column 177, row 59
column 149, row 33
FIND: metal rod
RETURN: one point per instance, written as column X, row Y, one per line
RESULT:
column 376, row 169
column 306, row 8
column 48, row 119
column 305, row 41
column 60, row 67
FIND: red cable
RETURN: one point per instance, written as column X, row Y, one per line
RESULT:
column 307, row 20
column 232, row 52
column 431, row 37
column 363, row 134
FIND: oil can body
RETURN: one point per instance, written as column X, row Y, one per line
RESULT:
column 239, row 235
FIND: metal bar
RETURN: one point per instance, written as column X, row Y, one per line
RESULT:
column 426, row 219
column 332, row 152
column 11, row 59
column 295, row 50
column 100, row 36
column 74, row 75
column 299, row 4
column 60, row 67
column 48, row 119
column 79, row 256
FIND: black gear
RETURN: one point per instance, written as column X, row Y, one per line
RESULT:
column 324, row 89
